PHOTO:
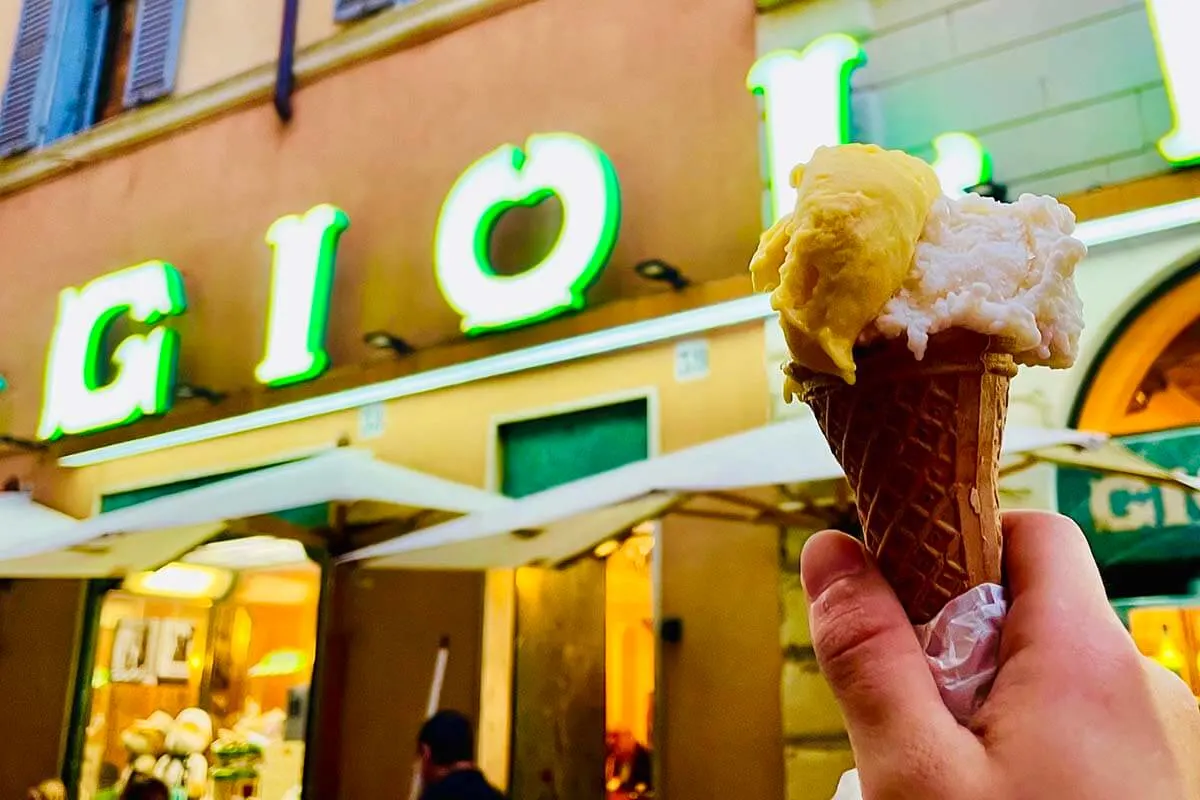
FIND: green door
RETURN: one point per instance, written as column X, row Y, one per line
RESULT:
column 558, row 746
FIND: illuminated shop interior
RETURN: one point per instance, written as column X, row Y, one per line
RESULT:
column 229, row 629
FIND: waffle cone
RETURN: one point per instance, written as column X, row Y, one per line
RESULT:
column 919, row 442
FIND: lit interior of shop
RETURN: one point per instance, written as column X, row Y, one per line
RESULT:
column 214, row 651
column 629, row 663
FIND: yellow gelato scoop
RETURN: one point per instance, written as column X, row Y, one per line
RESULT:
column 845, row 251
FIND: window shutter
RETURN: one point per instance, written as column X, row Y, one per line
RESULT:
column 156, row 38
column 23, row 109
column 346, row 10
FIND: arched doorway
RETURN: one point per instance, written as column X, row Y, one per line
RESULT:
column 1147, row 378
column 1145, row 389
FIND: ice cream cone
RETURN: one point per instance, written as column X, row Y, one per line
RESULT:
column 919, row 442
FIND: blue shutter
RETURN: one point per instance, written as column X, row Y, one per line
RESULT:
column 24, row 107
column 156, row 38
column 76, row 55
column 346, row 10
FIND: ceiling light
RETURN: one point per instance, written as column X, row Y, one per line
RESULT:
column 190, row 391
column 656, row 270
column 382, row 340
column 185, row 581
column 606, row 548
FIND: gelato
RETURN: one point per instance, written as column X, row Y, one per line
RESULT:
column 874, row 251
column 845, row 251
column 906, row 314
column 1005, row 270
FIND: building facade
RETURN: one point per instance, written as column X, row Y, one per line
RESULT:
column 221, row 242
column 481, row 237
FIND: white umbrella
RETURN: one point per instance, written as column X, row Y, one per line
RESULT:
column 153, row 532
column 561, row 523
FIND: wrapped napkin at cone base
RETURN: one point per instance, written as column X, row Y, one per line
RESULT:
column 906, row 314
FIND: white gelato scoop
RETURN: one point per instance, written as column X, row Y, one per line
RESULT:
column 1002, row 269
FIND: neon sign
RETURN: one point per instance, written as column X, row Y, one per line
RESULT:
column 559, row 164
column 961, row 163
column 87, row 391
column 1175, row 23
column 806, row 104
column 305, row 251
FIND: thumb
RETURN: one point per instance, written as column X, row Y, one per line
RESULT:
column 869, row 653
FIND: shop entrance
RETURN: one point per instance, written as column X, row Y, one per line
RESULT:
column 1145, row 389
column 583, row 669
column 212, row 653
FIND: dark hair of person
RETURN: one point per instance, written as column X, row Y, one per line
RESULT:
column 143, row 787
column 449, row 737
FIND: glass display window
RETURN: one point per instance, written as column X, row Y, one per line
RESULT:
column 201, row 674
column 1168, row 632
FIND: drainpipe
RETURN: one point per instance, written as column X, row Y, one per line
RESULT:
column 285, row 77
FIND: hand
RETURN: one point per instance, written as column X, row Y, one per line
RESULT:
column 1075, row 712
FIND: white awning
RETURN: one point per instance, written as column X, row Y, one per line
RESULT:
column 24, row 523
column 154, row 532
column 561, row 523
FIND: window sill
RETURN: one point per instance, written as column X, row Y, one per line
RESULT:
column 408, row 24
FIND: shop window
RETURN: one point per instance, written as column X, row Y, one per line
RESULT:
column 76, row 64
column 600, row 610
column 199, row 671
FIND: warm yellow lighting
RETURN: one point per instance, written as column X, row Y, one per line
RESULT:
column 278, row 663
column 607, row 548
column 181, row 580
column 272, row 590
column 1169, row 656
column 252, row 552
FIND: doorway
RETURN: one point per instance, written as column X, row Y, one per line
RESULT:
column 584, row 650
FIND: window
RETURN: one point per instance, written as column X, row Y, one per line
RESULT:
column 216, row 650
column 80, row 62
column 214, row 647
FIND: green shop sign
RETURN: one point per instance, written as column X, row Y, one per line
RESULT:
column 1127, row 519
column 90, row 386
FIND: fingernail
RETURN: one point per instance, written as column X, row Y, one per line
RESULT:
column 827, row 558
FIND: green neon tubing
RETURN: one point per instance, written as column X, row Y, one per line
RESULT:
column 304, row 249
column 86, row 390
column 559, row 164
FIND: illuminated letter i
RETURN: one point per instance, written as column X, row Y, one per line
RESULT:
column 305, row 253
column 1175, row 24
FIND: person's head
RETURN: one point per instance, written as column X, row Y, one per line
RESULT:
column 143, row 787
column 624, row 743
column 445, row 742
